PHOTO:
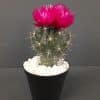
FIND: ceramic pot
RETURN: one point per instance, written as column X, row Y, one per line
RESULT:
column 46, row 87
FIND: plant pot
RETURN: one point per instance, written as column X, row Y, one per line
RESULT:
column 46, row 87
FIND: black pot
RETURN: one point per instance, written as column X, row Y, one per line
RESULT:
column 46, row 87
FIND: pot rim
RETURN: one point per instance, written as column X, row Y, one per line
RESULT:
column 44, row 76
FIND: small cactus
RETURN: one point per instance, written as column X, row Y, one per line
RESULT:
column 51, row 39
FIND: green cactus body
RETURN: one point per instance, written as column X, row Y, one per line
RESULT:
column 50, row 44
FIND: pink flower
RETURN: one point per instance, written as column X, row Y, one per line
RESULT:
column 43, row 16
column 57, row 16
column 64, row 17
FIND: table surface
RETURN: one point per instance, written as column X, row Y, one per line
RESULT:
column 82, row 83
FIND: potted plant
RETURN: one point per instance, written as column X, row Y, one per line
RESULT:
column 46, row 71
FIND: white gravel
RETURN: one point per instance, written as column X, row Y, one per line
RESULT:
column 32, row 66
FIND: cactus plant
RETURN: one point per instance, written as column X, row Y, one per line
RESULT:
column 51, row 39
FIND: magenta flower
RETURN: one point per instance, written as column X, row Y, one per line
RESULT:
column 43, row 16
column 63, row 16
column 57, row 16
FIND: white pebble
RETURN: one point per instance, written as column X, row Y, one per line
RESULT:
column 32, row 66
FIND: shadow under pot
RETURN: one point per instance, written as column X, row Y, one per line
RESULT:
column 46, row 87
